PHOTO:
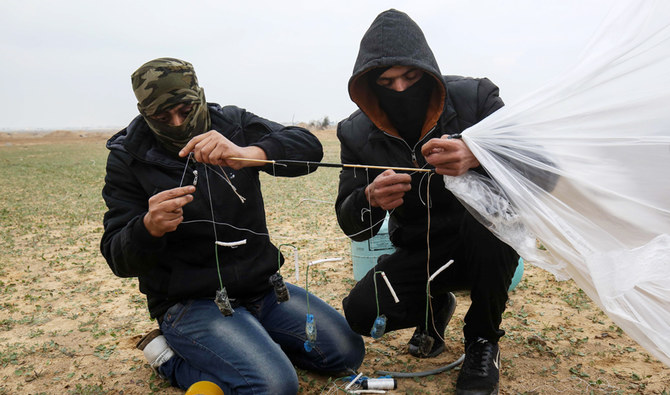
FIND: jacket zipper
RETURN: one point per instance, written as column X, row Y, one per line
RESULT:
column 413, row 150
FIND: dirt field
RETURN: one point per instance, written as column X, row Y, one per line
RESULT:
column 69, row 326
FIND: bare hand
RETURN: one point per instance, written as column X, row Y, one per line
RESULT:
column 213, row 148
column 388, row 189
column 451, row 157
column 165, row 210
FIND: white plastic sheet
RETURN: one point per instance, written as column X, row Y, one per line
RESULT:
column 580, row 173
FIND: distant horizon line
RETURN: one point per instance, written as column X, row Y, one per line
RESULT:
column 55, row 129
column 92, row 128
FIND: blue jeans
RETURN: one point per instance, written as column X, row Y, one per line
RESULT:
column 254, row 350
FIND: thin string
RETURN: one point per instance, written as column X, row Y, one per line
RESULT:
column 367, row 180
column 242, row 199
column 423, row 176
column 279, row 253
column 374, row 278
column 374, row 275
column 429, row 304
column 371, row 227
column 216, row 238
column 215, row 223
column 181, row 182
column 307, row 286
column 193, row 221
column 369, row 208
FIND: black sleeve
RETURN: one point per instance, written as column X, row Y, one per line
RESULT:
column 352, row 207
column 488, row 97
column 282, row 142
column 126, row 244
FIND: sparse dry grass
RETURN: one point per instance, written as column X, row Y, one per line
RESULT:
column 69, row 326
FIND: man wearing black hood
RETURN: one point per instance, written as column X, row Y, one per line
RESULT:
column 410, row 115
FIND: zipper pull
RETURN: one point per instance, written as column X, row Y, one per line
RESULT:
column 416, row 163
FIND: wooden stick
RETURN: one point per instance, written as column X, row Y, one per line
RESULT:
column 340, row 165
column 256, row 160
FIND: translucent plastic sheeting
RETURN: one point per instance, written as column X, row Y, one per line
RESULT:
column 579, row 173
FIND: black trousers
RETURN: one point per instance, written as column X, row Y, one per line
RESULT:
column 483, row 264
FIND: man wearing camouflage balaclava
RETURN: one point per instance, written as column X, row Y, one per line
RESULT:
column 171, row 232
column 162, row 84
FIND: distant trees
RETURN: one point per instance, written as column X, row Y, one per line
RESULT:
column 324, row 123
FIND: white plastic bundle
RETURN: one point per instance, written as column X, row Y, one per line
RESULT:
column 579, row 173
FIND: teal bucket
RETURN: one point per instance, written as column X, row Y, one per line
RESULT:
column 517, row 275
column 364, row 254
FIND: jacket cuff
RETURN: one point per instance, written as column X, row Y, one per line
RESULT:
column 142, row 238
column 273, row 149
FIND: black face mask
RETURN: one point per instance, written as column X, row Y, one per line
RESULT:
column 406, row 109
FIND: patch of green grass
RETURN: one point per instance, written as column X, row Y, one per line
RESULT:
column 49, row 191
column 577, row 300
column 103, row 351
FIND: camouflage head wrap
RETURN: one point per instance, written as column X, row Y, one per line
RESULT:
column 163, row 83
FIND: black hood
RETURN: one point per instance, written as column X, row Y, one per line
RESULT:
column 394, row 39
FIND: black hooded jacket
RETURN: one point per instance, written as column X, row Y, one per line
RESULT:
column 182, row 264
column 368, row 137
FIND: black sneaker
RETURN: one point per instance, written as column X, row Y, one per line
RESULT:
column 480, row 372
column 427, row 343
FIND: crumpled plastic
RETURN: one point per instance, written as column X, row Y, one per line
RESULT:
column 579, row 173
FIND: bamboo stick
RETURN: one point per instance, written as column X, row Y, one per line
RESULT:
column 339, row 165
